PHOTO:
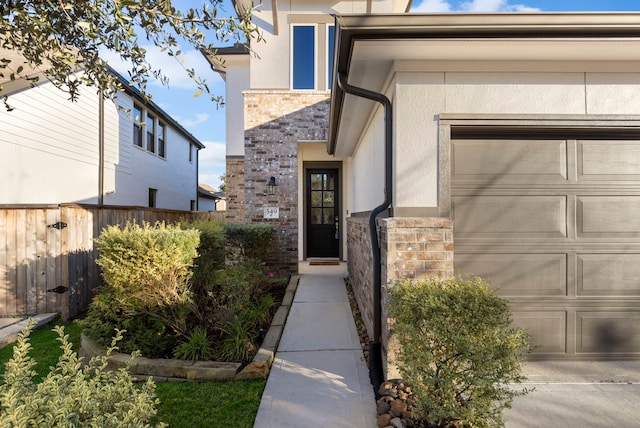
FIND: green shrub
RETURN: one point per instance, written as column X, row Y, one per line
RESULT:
column 457, row 350
column 238, row 342
column 148, row 269
column 211, row 249
column 196, row 348
column 141, row 332
column 249, row 241
column 72, row 394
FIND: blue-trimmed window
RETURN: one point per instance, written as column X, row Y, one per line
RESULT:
column 330, row 42
column 304, row 57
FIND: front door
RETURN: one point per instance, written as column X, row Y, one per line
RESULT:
column 323, row 213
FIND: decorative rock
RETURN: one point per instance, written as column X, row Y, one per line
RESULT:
column 387, row 389
column 397, row 423
column 383, row 420
column 397, row 407
column 254, row 370
column 382, row 406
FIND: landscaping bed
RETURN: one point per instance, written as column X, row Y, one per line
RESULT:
column 162, row 369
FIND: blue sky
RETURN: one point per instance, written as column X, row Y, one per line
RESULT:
column 206, row 122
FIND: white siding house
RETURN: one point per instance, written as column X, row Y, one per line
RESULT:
column 56, row 151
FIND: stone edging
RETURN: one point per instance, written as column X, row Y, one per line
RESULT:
column 179, row 370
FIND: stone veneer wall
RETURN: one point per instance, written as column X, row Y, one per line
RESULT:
column 360, row 265
column 411, row 248
column 235, row 189
column 275, row 121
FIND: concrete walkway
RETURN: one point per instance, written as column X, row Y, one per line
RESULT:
column 319, row 377
column 11, row 327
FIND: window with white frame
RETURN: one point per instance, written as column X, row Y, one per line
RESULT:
column 150, row 124
column 312, row 50
column 153, row 195
column 149, row 132
column 303, row 57
column 330, row 42
column 161, row 139
column 137, row 125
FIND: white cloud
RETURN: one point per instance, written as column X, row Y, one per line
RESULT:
column 471, row 6
column 483, row 5
column 189, row 123
column 433, row 6
column 211, row 163
column 171, row 67
column 522, row 8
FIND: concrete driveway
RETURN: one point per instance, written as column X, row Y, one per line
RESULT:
column 578, row 394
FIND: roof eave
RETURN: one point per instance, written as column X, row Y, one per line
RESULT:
column 350, row 28
column 216, row 58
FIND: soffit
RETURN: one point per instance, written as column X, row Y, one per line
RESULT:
column 368, row 46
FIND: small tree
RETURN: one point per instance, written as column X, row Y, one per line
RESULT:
column 60, row 38
column 458, row 350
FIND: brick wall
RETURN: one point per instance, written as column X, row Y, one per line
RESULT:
column 360, row 265
column 235, row 189
column 410, row 248
column 275, row 121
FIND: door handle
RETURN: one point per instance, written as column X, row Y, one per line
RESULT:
column 337, row 224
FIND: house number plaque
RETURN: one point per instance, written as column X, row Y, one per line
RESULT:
column 271, row 212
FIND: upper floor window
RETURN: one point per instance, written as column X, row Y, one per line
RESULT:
column 303, row 57
column 190, row 152
column 137, row 125
column 330, row 42
column 151, row 135
column 161, row 139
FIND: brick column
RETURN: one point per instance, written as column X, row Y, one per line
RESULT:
column 275, row 122
column 235, row 189
column 411, row 248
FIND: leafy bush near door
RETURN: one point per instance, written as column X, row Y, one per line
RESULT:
column 458, row 350
column 194, row 303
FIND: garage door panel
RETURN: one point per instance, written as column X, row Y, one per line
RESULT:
column 518, row 274
column 504, row 216
column 608, row 216
column 608, row 332
column 507, row 161
column 548, row 330
column 562, row 240
column 612, row 275
column 608, row 160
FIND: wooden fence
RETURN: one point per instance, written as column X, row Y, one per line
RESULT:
column 47, row 256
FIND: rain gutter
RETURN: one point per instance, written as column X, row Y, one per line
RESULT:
column 375, row 347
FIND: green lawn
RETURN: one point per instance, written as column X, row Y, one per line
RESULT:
column 183, row 404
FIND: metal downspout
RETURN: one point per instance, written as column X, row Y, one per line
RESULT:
column 375, row 346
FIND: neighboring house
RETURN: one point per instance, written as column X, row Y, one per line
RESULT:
column 209, row 199
column 511, row 151
column 92, row 151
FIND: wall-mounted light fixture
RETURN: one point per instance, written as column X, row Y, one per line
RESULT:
column 271, row 186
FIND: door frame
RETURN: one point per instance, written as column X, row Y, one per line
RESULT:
column 306, row 166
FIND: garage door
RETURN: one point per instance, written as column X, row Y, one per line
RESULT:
column 554, row 222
